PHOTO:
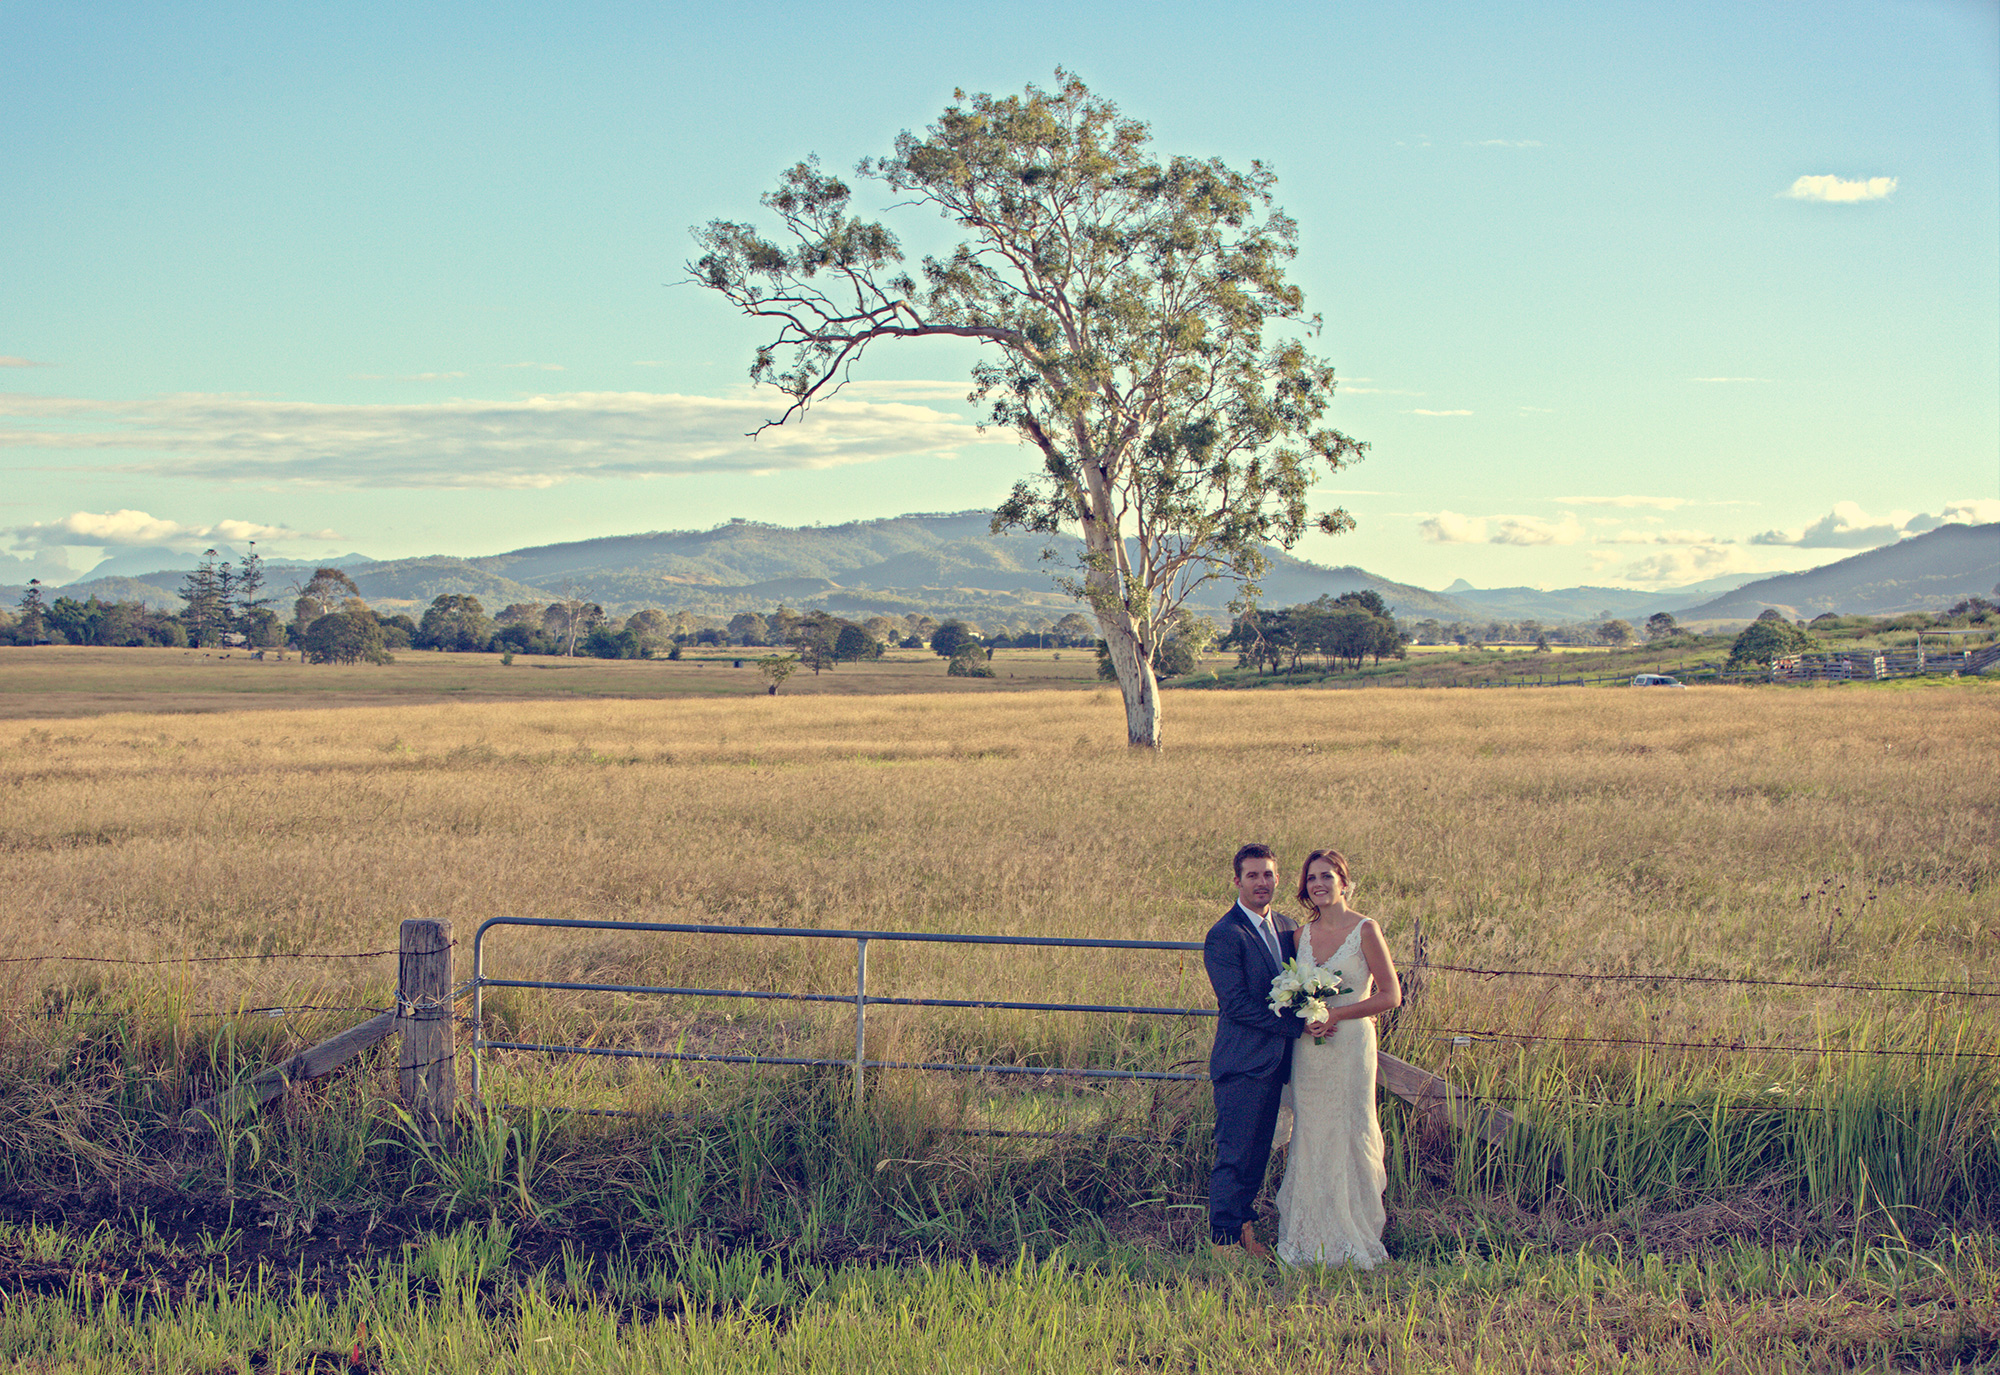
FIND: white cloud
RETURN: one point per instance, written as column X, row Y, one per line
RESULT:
column 1687, row 537
column 1449, row 527
column 404, row 376
column 1628, row 502
column 8, row 362
column 1846, row 526
column 138, row 529
column 1353, row 387
column 1422, row 412
column 1839, row 190
column 50, row 565
column 544, row 367
column 1689, row 563
column 1978, row 511
column 530, row 442
column 1534, row 530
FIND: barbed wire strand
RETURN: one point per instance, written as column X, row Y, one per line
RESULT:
column 209, row 959
column 1715, row 979
column 1731, row 1046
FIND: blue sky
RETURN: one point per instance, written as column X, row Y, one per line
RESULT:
column 1631, row 294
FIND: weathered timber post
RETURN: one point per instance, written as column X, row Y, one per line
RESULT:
column 427, row 1076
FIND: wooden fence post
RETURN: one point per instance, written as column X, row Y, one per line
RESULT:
column 427, row 1077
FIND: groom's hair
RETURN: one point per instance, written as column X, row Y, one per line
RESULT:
column 1253, row 851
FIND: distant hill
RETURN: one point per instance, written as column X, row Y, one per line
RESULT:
column 1924, row 573
column 1588, row 603
column 952, row 565
column 937, row 564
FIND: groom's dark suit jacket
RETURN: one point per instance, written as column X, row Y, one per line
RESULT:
column 1249, row 1038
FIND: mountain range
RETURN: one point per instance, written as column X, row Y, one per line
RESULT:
column 953, row 565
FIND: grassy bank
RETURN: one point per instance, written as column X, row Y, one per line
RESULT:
column 462, row 1302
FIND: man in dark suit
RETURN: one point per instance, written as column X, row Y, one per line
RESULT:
column 1252, row 1059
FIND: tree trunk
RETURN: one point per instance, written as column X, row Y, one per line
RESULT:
column 1136, row 680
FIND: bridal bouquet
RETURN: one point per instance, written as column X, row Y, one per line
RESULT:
column 1305, row 992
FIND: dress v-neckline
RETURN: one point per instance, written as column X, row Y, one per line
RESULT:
column 1338, row 950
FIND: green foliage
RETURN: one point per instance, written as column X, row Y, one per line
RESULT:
column 325, row 592
column 775, row 668
column 454, row 621
column 205, row 598
column 1762, row 641
column 351, row 635
column 947, row 639
column 605, row 643
column 33, row 624
column 969, row 660
column 93, row 622
column 854, row 643
column 1342, row 630
column 1176, row 659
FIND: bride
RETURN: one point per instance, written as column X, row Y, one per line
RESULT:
column 1330, row 1203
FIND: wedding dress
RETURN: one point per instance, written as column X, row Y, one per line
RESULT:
column 1330, row 1203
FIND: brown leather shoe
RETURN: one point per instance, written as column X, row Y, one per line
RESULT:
column 1252, row 1245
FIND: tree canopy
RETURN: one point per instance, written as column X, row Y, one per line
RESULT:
column 1125, row 300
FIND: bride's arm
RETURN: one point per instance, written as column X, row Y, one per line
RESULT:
column 1388, row 988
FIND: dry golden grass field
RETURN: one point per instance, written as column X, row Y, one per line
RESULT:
column 1752, row 1195
column 1839, row 835
column 47, row 681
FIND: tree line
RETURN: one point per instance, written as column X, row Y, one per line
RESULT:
column 1340, row 631
column 225, row 605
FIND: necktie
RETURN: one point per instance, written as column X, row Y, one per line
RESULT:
column 1271, row 939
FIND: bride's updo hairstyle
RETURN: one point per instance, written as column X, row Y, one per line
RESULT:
column 1339, row 863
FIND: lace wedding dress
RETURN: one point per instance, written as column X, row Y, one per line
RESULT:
column 1330, row 1203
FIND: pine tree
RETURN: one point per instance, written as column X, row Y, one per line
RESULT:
column 202, row 610
column 34, row 613
column 249, row 582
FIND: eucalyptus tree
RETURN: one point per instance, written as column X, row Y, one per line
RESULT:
column 328, row 590
column 1141, row 334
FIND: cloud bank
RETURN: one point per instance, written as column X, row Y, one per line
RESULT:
column 1689, row 563
column 139, row 530
column 1847, row 526
column 533, row 442
column 1839, row 190
column 1449, row 527
column 1656, row 503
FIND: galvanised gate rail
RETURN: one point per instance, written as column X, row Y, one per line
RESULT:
column 860, row 998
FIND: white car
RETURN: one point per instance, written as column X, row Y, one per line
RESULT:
column 1657, row 680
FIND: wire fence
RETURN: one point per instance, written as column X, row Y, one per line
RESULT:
column 1454, row 1036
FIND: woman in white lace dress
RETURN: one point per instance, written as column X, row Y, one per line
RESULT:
column 1330, row 1204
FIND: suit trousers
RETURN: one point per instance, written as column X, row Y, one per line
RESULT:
column 1246, row 1118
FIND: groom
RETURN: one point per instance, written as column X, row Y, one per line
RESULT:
column 1252, row 1059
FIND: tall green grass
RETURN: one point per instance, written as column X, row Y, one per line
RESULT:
column 461, row 1301
column 1876, row 1142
